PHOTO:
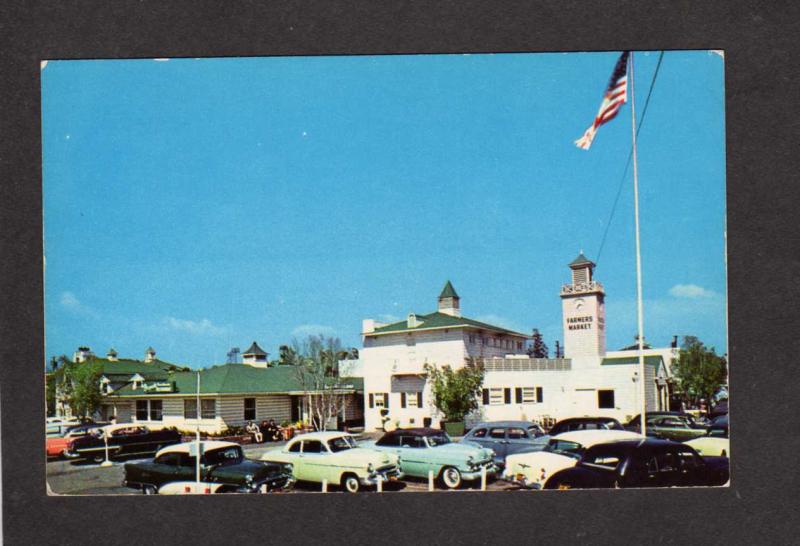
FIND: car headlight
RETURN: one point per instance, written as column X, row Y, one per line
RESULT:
column 248, row 478
column 289, row 467
column 370, row 468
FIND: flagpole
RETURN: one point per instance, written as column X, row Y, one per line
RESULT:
column 197, row 438
column 639, row 311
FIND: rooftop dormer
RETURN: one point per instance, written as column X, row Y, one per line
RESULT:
column 449, row 302
column 255, row 356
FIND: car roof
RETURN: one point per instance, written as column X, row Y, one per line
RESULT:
column 191, row 447
column 629, row 445
column 591, row 437
column 322, row 435
column 417, row 431
column 118, row 426
column 585, row 419
column 505, row 424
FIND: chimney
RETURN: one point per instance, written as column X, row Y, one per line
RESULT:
column 412, row 320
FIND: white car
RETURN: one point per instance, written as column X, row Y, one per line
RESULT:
column 336, row 458
column 532, row 470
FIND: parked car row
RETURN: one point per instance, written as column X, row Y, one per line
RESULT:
column 579, row 452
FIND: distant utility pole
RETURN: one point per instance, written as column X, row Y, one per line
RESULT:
column 233, row 355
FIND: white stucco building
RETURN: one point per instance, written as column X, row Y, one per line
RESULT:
column 588, row 380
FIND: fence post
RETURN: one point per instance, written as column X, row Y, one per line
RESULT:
column 379, row 484
column 483, row 478
column 324, row 486
column 430, row 480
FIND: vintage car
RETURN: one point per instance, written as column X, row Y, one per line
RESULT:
column 57, row 445
column 531, row 470
column 506, row 438
column 715, row 443
column 122, row 439
column 585, row 423
column 56, row 430
column 646, row 462
column 670, row 426
column 222, row 464
column 336, row 458
column 426, row 449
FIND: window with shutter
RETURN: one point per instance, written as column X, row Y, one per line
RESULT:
column 485, row 397
column 386, row 400
column 371, row 400
column 419, row 399
column 507, row 395
column 539, row 395
column 402, row 399
column 518, row 394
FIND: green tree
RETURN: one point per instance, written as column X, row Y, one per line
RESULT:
column 538, row 348
column 455, row 393
column 80, row 387
column 699, row 371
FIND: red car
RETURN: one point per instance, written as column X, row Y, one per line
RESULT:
column 57, row 446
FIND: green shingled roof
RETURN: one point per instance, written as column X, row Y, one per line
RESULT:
column 440, row 320
column 448, row 291
column 130, row 367
column 239, row 379
column 581, row 260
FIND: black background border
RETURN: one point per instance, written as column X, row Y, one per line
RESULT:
column 763, row 242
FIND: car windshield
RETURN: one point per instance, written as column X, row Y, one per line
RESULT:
column 438, row 439
column 341, row 443
column 563, row 447
column 226, row 455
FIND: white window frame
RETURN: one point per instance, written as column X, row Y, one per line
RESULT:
column 528, row 395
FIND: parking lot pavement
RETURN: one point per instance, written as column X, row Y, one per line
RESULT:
column 66, row 477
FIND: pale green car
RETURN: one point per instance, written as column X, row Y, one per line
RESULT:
column 336, row 458
column 715, row 444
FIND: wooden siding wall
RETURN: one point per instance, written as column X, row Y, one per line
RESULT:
column 230, row 409
column 353, row 410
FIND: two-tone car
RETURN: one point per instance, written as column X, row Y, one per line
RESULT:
column 532, row 470
column 424, row 450
column 223, row 469
column 336, row 458
column 120, row 440
column 57, row 446
column 669, row 425
column 507, row 438
column 641, row 463
column 715, row 443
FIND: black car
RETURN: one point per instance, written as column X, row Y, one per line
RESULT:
column 585, row 423
column 634, row 423
column 641, row 463
column 220, row 463
column 122, row 440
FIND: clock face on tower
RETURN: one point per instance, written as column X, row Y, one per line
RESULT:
column 579, row 303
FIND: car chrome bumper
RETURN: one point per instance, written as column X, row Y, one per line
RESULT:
column 521, row 481
column 383, row 477
column 491, row 470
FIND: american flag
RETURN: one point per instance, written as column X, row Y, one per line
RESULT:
column 615, row 96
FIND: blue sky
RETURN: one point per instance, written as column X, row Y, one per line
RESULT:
column 199, row 204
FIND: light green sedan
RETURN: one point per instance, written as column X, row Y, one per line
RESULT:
column 336, row 458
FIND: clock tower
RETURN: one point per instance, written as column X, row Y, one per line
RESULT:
column 584, row 312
